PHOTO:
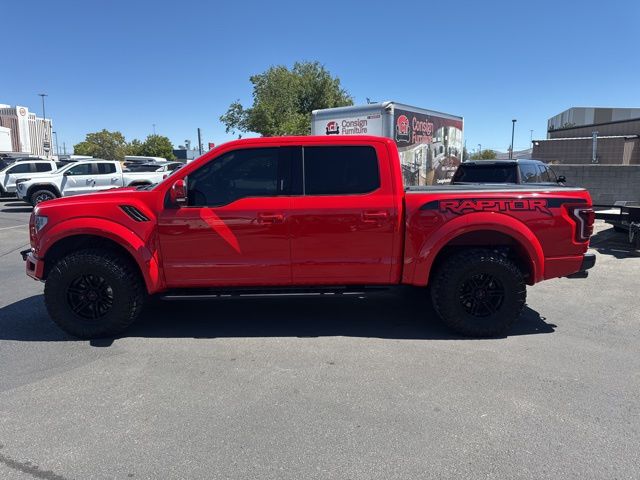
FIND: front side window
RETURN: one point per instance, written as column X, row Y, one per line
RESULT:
column 340, row 170
column 238, row 174
column 20, row 168
column 529, row 173
column 546, row 174
column 82, row 169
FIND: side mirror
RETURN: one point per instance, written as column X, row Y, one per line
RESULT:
column 562, row 179
column 178, row 193
column 67, row 173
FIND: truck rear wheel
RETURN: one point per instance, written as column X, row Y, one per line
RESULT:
column 94, row 293
column 479, row 292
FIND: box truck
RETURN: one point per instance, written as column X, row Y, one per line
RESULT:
column 429, row 142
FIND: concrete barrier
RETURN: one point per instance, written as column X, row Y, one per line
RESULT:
column 606, row 183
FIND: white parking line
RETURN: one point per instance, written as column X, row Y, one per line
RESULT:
column 15, row 226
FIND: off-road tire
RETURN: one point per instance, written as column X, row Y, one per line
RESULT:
column 122, row 278
column 450, row 291
column 33, row 198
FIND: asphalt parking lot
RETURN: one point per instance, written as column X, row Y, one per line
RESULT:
column 344, row 388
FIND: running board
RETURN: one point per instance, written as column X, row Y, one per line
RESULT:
column 206, row 294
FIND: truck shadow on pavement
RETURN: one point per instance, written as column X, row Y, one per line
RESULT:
column 610, row 242
column 400, row 317
column 16, row 205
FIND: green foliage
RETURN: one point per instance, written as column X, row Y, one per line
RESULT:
column 283, row 100
column 154, row 146
column 113, row 146
column 484, row 155
column 103, row 144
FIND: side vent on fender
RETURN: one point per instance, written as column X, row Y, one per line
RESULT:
column 134, row 213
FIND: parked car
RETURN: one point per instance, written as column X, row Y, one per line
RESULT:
column 13, row 172
column 83, row 177
column 140, row 159
column 154, row 167
column 305, row 214
column 505, row 171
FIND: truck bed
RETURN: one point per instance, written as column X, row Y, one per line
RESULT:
column 491, row 188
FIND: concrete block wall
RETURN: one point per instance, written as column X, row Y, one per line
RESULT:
column 606, row 183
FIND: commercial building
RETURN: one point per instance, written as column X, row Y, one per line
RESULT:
column 586, row 135
column 28, row 133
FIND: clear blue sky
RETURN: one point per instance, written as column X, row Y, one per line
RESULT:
column 124, row 65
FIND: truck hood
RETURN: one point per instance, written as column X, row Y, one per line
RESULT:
column 125, row 194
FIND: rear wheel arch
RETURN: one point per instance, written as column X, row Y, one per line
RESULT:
column 482, row 230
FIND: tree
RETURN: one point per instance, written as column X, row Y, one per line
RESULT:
column 484, row 155
column 135, row 147
column 103, row 144
column 283, row 100
column 153, row 146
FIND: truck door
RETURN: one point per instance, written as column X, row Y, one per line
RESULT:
column 107, row 177
column 77, row 180
column 234, row 230
column 344, row 225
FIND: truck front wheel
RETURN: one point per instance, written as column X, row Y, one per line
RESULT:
column 94, row 293
column 41, row 195
column 478, row 292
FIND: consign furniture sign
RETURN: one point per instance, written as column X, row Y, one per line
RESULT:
column 360, row 125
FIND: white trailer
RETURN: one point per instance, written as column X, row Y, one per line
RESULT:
column 430, row 143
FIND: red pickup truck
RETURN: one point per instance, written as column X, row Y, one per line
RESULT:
column 304, row 214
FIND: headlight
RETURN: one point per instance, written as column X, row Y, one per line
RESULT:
column 40, row 222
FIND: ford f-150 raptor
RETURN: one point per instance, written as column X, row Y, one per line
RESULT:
column 303, row 214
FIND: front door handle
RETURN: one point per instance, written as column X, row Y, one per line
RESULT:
column 375, row 216
column 270, row 218
column 89, row 180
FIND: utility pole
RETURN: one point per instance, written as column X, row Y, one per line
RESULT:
column 530, row 136
column 199, row 142
column 513, row 129
column 479, row 151
column 64, row 147
column 154, row 128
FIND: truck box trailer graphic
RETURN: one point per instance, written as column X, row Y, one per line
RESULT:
column 429, row 142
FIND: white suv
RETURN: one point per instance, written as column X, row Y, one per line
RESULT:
column 17, row 170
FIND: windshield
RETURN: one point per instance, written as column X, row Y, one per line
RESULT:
column 485, row 174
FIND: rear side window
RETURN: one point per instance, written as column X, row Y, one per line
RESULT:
column 485, row 174
column 106, row 168
column 43, row 167
column 340, row 170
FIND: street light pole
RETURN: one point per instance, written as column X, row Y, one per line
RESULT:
column 44, row 115
column 513, row 129
column 55, row 134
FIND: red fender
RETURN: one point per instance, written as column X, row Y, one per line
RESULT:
column 144, row 253
column 473, row 222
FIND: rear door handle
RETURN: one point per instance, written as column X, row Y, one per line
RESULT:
column 375, row 216
column 270, row 218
